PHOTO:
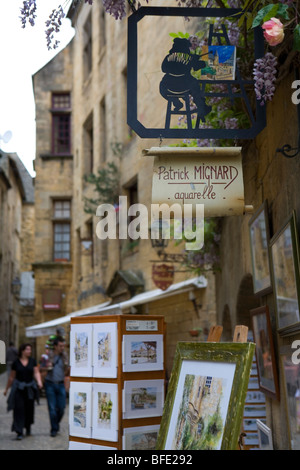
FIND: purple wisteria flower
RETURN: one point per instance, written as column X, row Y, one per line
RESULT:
column 264, row 74
column 53, row 26
column 28, row 12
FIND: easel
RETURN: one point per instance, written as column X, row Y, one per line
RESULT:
column 240, row 335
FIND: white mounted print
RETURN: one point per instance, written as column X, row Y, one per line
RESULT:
column 81, row 350
column 105, row 350
column 105, row 411
column 143, row 398
column 140, row 438
column 80, row 409
column 142, row 352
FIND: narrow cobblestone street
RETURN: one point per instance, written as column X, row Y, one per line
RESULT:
column 40, row 436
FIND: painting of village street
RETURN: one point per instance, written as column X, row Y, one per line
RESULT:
column 79, row 409
column 220, row 62
column 104, row 411
column 200, row 424
column 143, row 352
column 104, row 353
column 81, row 349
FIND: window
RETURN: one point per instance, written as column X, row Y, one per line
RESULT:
column 87, row 48
column 103, row 131
column 88, row 141
column 62, row 230
column 61, row 123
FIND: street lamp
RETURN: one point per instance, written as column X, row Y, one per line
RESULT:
column 158, row 231
column 16, row 286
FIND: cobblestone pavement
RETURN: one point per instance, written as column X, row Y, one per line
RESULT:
column 40, row 432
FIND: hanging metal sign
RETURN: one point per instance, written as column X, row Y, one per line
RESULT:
column 163, row 275
column 173, row 81
column 209, row 176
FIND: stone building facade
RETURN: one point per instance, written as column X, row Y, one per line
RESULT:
column 16, row 248
column 92, row 69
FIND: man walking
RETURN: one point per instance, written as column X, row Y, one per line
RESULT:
column 54, row 384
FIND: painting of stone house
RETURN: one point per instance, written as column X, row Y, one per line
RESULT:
column 200, row 424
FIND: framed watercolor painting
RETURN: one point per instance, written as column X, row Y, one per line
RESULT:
column 81, row 350
column 265, row 354
column 206, row 396
column 140, row 438
column 143, row 398
column 291, row 372
column 105, row 350
column 259, row 246
column 105, row 411
column 285, row 272
column 142, row 352
column 80, row 409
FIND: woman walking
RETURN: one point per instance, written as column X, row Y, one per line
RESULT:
column 24, row 381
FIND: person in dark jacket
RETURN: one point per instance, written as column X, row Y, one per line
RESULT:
column 24, row 381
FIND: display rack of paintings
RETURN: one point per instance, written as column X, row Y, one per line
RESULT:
column 117, row 384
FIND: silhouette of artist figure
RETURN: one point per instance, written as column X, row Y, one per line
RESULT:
column 177, row 66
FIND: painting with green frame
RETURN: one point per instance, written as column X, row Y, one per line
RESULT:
column 206, row 396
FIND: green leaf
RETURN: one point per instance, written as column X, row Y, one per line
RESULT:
column 283, row 11
column 173, row 35
column 296, row 44
column 263, row 12
column 270, row 11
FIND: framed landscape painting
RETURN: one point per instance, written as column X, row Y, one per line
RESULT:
column 80, row 409
column 286, row 278
column 81, row 350
column 265, row 354
column 141, row 437
column 142, row 352
column 105, row 411
column 143, row 398
column 259, row 246
column 206, row 396
column 105, row 350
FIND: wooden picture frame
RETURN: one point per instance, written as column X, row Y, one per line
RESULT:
column 206, row 396
column 259, row 245
column 284, row 251
column 265, row 354
column 290, row 366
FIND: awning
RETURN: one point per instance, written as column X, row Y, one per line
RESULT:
column 107, row 308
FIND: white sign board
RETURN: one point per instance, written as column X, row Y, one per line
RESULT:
column 210, row 176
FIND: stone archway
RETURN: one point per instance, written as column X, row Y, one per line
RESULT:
column 246, row 301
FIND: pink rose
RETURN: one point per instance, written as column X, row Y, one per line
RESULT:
column 273, row 31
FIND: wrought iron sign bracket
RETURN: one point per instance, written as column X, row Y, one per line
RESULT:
column 180, row 49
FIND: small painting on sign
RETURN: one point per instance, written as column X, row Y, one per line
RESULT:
column 163, row 275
